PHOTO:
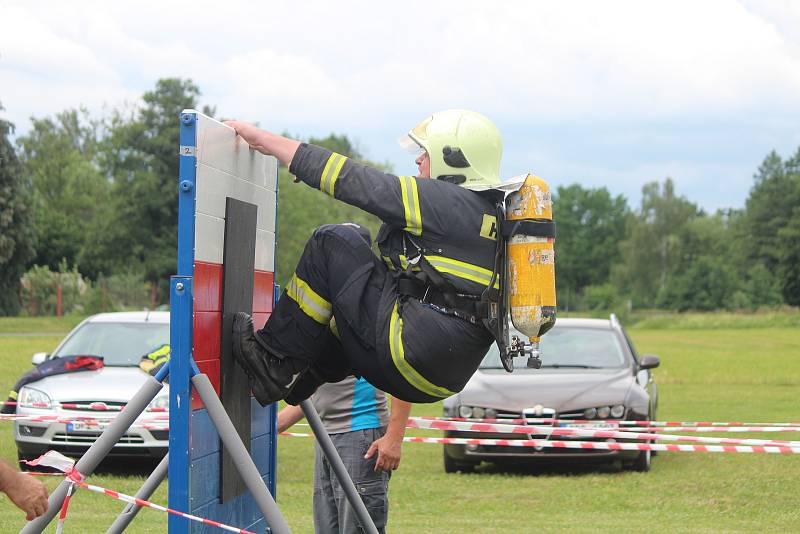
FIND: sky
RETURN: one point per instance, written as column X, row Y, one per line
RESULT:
column 603, row 94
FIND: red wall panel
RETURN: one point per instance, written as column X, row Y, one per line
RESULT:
column 207, row 286
column 207, row 330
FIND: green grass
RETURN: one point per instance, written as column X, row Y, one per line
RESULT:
column 733, row 374
column 784, row 317
column 61, row 325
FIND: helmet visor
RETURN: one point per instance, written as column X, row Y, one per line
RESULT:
column 408, row 144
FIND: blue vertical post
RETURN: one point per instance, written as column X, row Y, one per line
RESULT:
column 181, row 311
column 187, row 182
column 273, row 409
column 180, row 400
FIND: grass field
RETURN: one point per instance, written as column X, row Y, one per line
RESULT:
column 737, row 373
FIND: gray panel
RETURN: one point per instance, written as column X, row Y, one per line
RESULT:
column 237, row 296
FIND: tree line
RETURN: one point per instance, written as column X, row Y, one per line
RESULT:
column 95, row 199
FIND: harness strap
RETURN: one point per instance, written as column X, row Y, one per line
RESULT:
column 462, row 306
column 531, row 227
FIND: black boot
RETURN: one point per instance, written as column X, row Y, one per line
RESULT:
column 304, row 387
column 271, row 376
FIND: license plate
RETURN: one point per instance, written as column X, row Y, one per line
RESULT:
column 589, row 425
column 80, row 426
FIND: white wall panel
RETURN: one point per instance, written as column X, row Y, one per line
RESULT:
column 265, row 251
column 210, row 241
column 214, row 142
column 214, row 185
column 227, row 167
column 209, row 238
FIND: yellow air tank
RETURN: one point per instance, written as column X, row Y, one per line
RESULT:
column 531, row 276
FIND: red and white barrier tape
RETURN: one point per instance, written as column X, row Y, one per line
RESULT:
column 74, row 478
column 156, row 422
column 710, row 428
column 463, row 426
column 147, row 504
column 62, row 516
column 530, row 420
column 685, row 423
column 59, row 417
column 598, row 445
column 66, row 465
column 609, row 446
column 612, row 424
column 92, row 406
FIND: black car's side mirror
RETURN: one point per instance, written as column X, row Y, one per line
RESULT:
column 649, row 361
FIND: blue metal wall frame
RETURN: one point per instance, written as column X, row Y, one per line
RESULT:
column 182, row 364
column 179, row 399
column 272, row 483
column 181, row 310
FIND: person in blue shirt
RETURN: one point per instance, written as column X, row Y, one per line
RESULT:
column 369, row 440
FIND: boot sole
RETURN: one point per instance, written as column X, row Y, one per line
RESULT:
column 264, row 395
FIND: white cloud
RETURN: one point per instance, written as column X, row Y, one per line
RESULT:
column 369, row 68
column 553, row 61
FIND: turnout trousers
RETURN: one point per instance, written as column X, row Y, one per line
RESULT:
column 340, row 314
column 333, row 311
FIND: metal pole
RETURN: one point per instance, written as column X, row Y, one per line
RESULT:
column 150, row 485
column 335, row 460
column 244, row 463
column 98, row 451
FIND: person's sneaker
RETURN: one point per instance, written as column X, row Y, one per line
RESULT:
column 271, row 377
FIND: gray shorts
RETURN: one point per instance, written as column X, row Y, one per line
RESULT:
column 332, row 513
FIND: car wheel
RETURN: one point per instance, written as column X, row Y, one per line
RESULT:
column 453, row 466
column 653, row 454
column 642, row 462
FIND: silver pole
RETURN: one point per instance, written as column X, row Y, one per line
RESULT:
column 150, row 485
column 98, row 451
column 244, row 463
column 335, row 460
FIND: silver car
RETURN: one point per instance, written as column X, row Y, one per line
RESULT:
column 121, row 339
column 590, row 371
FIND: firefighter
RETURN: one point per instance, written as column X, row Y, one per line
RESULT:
column 408, row 321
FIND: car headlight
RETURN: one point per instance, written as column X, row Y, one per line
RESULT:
column 491, row 413
column 465, row 412
column 590, row 413
column 159, row 404
column 478, row 413
column 603, row 412
column 617, row 411
column 33, row 398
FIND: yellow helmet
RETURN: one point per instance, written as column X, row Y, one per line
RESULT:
column 464, row 148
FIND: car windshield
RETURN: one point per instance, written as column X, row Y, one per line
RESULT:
column 118, row 343
column 567, row 347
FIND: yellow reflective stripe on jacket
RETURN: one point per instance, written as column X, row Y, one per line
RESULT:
column 333, row 327
column 411, row 375
column 309, row 301
column 403, row 263
column 408, row 188
column 331, row 172
column 462, row 269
